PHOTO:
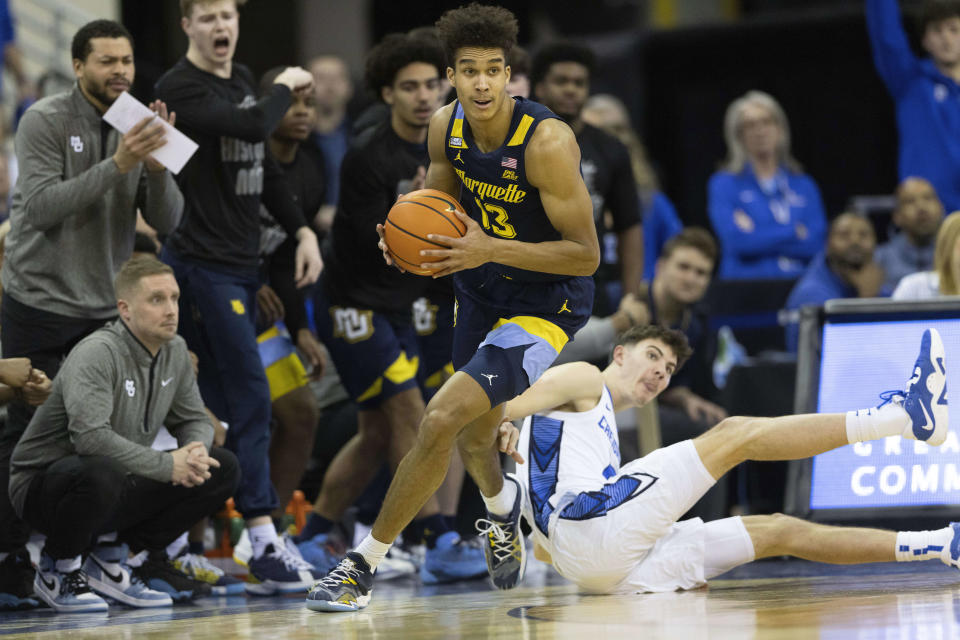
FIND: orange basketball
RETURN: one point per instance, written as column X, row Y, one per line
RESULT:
column 415, row 216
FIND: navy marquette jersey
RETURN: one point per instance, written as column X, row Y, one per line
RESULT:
column 495, row 191
column 509, row 323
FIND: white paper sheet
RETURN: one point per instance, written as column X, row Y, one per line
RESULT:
column 126, row 111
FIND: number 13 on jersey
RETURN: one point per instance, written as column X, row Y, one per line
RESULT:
column 500, row 224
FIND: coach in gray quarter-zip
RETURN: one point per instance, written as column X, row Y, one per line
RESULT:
column 85, row 467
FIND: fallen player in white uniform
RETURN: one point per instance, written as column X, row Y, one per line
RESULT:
column 613, row 529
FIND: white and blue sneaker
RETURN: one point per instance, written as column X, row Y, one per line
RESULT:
column 925, row 400
column 109, row 575
column 319, row 552
column 280, row 570
column 65, row 592
column 452, row 559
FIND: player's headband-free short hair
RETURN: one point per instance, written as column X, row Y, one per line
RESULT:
column 136, row 269
column 186, row 6
column 673, row 338
column 396, row 51
column 558, row 52
column 475, row 25
column 81, row 47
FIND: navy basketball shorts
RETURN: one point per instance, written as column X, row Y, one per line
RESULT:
column 507, row 333
column 433, row 322
column 377, row 357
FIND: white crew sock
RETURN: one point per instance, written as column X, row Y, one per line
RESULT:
column 923, row 545
column 502, row 504
column 260, row 536
column 175, row 547
column 873, row 424
column 372, row 550
column 68, row 565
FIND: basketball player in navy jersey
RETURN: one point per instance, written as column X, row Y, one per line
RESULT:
column 522, row 282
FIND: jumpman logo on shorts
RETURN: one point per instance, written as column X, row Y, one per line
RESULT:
column 490, row 377
column 564, row 307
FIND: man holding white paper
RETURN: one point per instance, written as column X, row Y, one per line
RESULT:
column 72, row 227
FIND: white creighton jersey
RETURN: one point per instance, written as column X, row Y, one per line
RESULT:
column 568, row 456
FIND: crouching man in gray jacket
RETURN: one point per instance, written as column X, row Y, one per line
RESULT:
column 84, row 466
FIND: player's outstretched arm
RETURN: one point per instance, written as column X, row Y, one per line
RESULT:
column 575, row 386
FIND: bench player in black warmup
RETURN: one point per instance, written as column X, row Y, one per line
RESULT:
column 214, row 253
column 522, row 282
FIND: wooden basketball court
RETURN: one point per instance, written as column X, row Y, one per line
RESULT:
column 772, row 599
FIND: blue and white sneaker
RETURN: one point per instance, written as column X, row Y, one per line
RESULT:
column 319, row 552
column 109, row 575
column 451, row 560
column 66, row 592
column 348, row 587
column 280, row 570
column 925, row 400
column 504, row 546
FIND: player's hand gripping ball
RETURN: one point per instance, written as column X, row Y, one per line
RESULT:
column 415, row 216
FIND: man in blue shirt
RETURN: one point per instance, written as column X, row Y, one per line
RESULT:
column 918, row 215
column 845, row 270
column 926, row 91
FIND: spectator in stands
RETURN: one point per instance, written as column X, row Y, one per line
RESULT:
column 72, row 227
column 846, row 269
column 214, row 253
column 519, row 62
column 675, row 300
column 560, row 76
column 333, row 89
column 918, row 215
column 766, row 212
column 84, row 466
column 925, row 90
column 944, row 279
column 660, row 219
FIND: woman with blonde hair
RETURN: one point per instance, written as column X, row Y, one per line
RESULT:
column 944, row 280
column 767, row 213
